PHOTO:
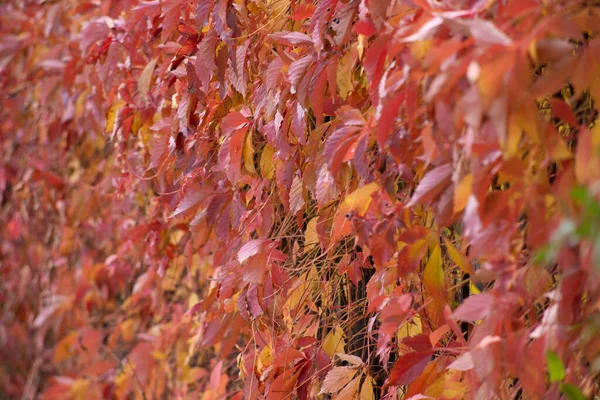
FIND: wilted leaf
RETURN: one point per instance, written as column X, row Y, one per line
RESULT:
column 354, row 360
column 337, row 378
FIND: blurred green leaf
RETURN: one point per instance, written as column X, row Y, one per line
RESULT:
column 572, row 392
column 555, row 367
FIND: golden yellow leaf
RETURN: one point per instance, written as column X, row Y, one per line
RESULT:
column 510, row 144
column 248, row 154
column 526, row 118
column 267, row 168
column 356, row 202
column 435, row 286
column 63, row 350
column 265, row 358
column 419, row 49
column 459, row 259
column 79, row 105
column 410, row 328
column 433, row 275
column 334, row 342
column 311, row 238
column 366, row 391
column 80, row 389
column 345, row 71
column 111, row 115
column 462, row 192
column 128, row 330
column 193, row 300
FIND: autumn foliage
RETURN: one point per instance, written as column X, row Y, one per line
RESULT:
column 279, row 199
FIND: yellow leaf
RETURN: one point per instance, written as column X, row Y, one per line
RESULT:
column 511, row 142
column 366, row 391
column 80, row 389
column 419, row 49
column 79, row 105
column 145, row 79
column 435, row 287
column 360, row 199
column 345, row 71
column 128, row 330
column 462, row 192
column 111, row 115
column 356, row 202
column 334, row 342
column 265, row 358
column 532, row 49
column 556, row 146
column 433, row 275
column 410, row 328
column 526, row 118
column 459, row 259
column 248, row 154
column 193, row 300
column 311, row 238
column 361, row 46
column 64, row 349
column 173, row 274
column 299, row 295
column 473, row 289
column 267, row 168
column 137, row 123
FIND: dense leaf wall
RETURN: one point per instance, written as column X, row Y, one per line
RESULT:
column 264, row 198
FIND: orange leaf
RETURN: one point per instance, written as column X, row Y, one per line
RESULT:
column 356, row 202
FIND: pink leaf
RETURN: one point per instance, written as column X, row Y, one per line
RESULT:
column 292, row 38
column 250, row 249
column 432, row 184
column 475, row 307
column 232, row 122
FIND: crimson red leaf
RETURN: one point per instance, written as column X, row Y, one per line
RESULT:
column 408, row 368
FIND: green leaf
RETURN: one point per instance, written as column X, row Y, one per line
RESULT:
column 579, row 194
column 572, row 392
column 555, row 367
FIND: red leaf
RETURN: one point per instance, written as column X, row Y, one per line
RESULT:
column 408, row 368
column 394, row 313
column 561, row 110
column 233, row 121
column 191, row 199
column 388, row 117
